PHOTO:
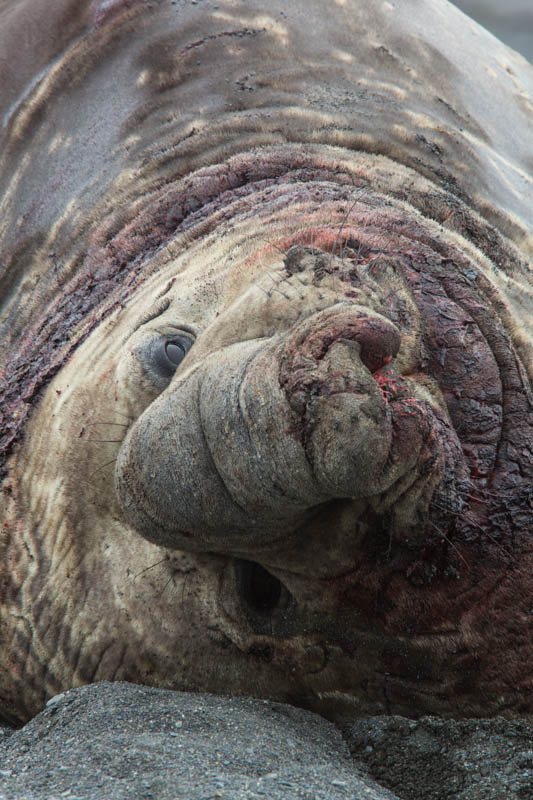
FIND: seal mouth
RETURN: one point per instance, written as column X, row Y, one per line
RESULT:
column 260, row 590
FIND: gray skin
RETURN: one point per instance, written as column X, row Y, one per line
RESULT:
column 321, row 492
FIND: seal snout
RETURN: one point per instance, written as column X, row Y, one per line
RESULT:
column 238, row 454
column 341, row 418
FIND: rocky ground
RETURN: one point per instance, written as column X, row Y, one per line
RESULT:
column 435, row 759
column 117, row 741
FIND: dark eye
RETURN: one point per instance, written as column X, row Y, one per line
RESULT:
column 169, row 353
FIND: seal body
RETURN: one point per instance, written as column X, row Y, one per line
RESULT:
column 266, row 323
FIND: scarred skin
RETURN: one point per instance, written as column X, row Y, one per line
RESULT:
column 328, row 500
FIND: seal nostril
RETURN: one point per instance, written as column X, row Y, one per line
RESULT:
column 260, row 590
column 379, row 340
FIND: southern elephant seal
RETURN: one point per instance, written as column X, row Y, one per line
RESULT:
column 266, row 333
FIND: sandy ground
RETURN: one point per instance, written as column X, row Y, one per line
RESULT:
column 511, row 21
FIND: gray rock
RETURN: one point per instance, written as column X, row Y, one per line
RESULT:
column 436, row 759
column 117, row 741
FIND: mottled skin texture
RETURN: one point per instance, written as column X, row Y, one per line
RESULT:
column 329, row 501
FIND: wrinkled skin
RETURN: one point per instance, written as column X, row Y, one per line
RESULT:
column 322, row 492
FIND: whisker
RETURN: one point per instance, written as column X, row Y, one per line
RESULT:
column 104, row 440
column 103, row 466
column 449, row 541
column 499, row 495
column 119, row 424
column 339, row 234
column 467, row 518
column 166, row 584
column 275, row 287
column 447, row 509
column 489, row 536
column 157, row 563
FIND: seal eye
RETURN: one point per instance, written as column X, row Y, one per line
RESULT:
column 175, row 352
column 169, row 353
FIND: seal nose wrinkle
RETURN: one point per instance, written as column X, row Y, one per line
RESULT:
column 343, row 420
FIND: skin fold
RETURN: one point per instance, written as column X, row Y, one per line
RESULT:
column 267, row 416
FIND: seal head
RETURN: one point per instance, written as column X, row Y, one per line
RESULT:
column 265, row 402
